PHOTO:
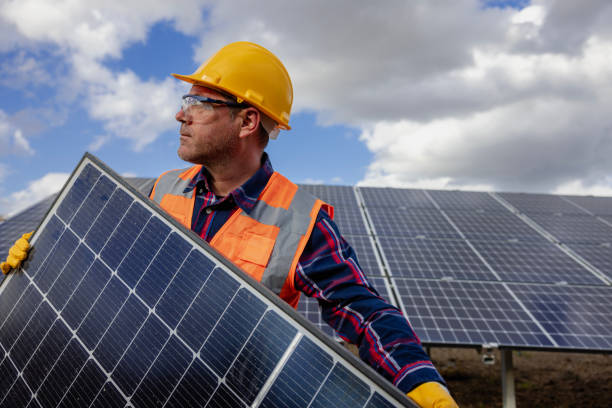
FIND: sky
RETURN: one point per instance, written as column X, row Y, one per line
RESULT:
column 479, row 95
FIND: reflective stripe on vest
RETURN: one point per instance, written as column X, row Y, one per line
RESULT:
column 268, row 242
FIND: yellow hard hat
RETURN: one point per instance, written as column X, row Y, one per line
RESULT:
column 251, row 73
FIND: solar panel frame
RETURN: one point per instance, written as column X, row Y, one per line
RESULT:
column 275, row 304
column 595, row 205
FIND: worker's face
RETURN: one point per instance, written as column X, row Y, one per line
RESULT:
column 209, row 135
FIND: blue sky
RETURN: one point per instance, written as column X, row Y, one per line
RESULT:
column 501, row 95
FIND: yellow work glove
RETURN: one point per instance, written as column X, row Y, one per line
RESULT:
column 432, row 395
column 17, row 253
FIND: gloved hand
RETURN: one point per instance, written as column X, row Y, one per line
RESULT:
column 432, row 395
column 17, row 253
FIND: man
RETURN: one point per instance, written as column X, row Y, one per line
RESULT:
column 275, row 232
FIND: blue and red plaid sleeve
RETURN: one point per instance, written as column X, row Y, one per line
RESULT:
column 328, row 271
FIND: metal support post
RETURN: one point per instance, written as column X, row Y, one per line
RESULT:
column 508, row 395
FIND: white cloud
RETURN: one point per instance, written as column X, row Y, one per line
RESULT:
column 12, row 139
column 447, row 94
column 37, row 190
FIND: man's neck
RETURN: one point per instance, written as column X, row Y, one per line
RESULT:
column 229, row 177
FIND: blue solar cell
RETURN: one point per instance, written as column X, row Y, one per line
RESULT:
column 90, row 209
column 85, row 387
column 135, row 262
column 232, row 331
column 58, row 258
column 48, row 239
column 181, row 292
column 77, row 193
column 8, row 374
column 68, row 280
column 339, row 380
column 102, row 313
column 109, row 397
column 377, row 401
column 18, row 396
column 104, row 225
column 123, row 328
column 46, row 354
column 224, row 398
column 19, row 316
column 36, row 329
column 164, row 375
column 259, row 356
column 208, row 306
column 125, row 234
column 300, row 378
column 86, row 293
column 163, row 267
column 63, row 373
column 195, row 388
column 141, row 354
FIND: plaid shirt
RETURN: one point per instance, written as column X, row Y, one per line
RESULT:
column 328, row 270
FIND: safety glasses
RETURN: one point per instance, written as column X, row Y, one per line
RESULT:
column 207, row 103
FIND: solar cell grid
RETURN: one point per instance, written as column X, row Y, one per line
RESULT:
column 576, row 317
column 537, row 263
column 126, row 324
column 574, row 228
column 433, row 259
column 600, row 256
column 596, row 205
column 350, row 221
column 394, row 198
column 467, row 313
column 411, row 222
column 485, row 225
column 338, row 196
column 540, row 203
column 465, row 200
column 366, row 256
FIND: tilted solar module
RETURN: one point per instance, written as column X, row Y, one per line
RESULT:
column 465, row 200
column 119, row 304
column 595, row 205
column 600, row 256
column 574, row 228
column 541, row 203
column 411, row 222
column 398, row 198
column 488, row 225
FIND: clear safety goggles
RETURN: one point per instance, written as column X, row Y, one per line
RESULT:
column 196, row 100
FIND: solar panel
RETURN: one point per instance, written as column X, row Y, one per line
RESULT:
column 596, row 205
column 432, row 258
column 534, row 262
column 347, row 212
column 540, row 203
column 574, row 228
column 399, row 198
column 468, row 313
column 366, row 254
column 120, row 304
column 497, row 226
column 576, row 317
column 411, row 222
column 465, row 200
column 600, row 256
column 338, row 196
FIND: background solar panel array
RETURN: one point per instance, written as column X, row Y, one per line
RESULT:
column 88, row 323
column 407, row 238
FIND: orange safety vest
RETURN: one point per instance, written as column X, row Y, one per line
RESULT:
column 267, row 243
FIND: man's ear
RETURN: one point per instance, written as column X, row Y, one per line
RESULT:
column 250, row 121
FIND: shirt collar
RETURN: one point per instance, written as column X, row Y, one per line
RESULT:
column 244, row 196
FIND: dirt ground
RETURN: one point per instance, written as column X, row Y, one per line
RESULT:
column 542, row 379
